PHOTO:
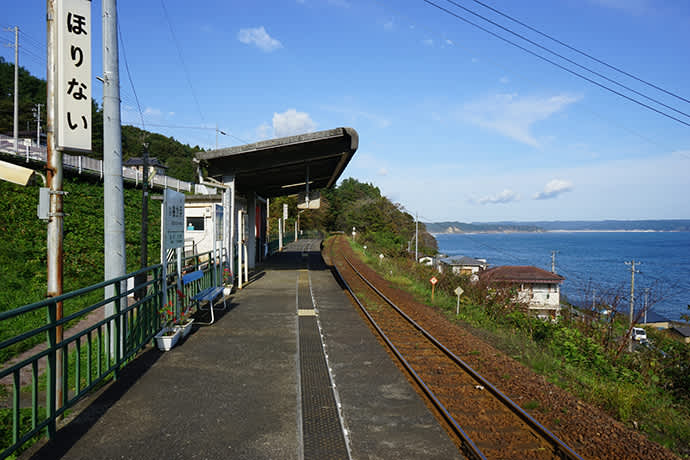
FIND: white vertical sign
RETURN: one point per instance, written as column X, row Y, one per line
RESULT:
column 285, row 211
column 173, row 219
column 73, row 82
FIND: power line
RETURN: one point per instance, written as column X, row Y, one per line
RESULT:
column 566, row 59
column 129, row 75
column 594, row 82
column 461, row 45
column 206, row 128
column 670, row 93
column 184, row 67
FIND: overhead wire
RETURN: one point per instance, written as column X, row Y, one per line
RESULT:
column 129, row 75
column 566, row 58
column 594, row 113
column 184, row 66
column 539, row 56
column 572, row 48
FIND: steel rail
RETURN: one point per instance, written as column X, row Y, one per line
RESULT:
column 468, row 445
column 560, row 448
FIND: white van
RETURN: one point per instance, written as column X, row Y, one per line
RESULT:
column 639, row 334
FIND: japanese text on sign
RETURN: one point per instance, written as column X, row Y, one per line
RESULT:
column 173, row 219
column 73, row 88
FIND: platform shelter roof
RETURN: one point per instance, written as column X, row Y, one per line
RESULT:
column 279, row 167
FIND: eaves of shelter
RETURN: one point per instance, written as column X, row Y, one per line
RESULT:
column 282, row 166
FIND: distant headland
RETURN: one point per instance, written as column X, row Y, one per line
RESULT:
column 670, row 225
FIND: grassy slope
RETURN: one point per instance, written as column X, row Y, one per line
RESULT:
column 23, row 245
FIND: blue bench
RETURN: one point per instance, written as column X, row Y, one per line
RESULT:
column 208, row 295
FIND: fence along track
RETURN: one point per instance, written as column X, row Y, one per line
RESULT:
column 486, row 422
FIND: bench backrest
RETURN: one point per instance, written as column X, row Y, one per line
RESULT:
column 193, row 276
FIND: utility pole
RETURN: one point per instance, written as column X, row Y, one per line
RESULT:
column 113, row 201
column 141, row 278
column 416, row 237
column 37, row 116
column 16, row 86
column 646, row 299
column 632, row 296
column 553, row 261
column 217, row 132
column 594, row 292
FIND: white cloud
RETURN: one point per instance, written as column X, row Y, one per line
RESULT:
column 150, row 111
column 428, row 42
column 512, row 115
column 449, row 42
column 554, row 188
column 259, row 37
column 263, row 132
column 383, row 172
column 353, row 115
column 389, row 25
column 292, row 122
column 506, row 196
column 504, row 80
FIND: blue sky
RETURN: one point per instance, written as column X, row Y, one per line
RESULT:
column 453, row 123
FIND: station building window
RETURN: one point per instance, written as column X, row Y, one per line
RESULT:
column 195, row 223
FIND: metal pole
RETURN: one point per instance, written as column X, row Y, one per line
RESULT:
column 416, row 237
column 280, row 234
column 632, row 299
column 113, row 196
column 141, row 279
column 239, row 249
column 54, row 175
column 16, row 89
column 646, row 299
column 38, row 125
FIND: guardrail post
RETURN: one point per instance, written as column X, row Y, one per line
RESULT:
column 117, row 325
column 50, row 393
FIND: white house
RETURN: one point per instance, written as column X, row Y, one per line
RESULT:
column 463, row 265
column 537, row 288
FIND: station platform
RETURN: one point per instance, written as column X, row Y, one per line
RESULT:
column 289, row 371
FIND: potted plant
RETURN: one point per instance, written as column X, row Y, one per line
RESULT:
column 168, row 335
column 227, row 281
column 184, row 322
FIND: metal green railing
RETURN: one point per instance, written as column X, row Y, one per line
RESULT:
column 88, row 357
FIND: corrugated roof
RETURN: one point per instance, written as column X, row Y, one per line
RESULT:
column 519, row 274
column 463, row 260
column 279, row 167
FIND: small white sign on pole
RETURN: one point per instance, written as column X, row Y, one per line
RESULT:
column 173, row 219
column 285, row 212
column 73, row 80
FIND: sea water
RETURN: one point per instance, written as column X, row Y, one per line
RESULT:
column 593, row 263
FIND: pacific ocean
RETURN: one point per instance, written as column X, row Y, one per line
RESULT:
column 593, row 264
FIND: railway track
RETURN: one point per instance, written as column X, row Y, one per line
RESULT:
column 485, row 422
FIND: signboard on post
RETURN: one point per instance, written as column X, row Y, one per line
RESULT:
column 433, row 282
column 73, row 80
column 173, row 220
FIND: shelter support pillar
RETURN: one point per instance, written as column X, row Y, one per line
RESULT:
column 251, row 223
column 229, row 219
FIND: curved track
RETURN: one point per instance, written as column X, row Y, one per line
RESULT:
column 486, row 423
